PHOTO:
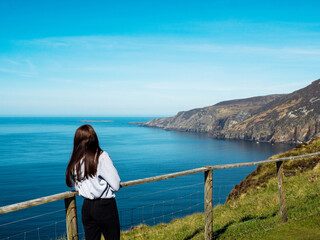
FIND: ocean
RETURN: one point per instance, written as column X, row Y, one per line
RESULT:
column 34, row 153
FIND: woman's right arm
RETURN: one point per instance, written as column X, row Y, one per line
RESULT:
column 107, row 171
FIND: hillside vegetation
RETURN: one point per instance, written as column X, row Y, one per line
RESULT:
column 252, row 208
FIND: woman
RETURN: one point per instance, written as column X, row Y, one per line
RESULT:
column 91, row 171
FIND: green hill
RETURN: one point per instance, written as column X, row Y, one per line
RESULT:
column 252, row 208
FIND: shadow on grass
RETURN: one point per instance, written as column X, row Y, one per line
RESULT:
column 222, row 230
column 250, row 217
column 216, row 233
column 198, row 230
column 219, row 232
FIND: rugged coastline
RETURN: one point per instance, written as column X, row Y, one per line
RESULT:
column 286, row 118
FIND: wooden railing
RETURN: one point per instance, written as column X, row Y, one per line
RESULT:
column 70, row 196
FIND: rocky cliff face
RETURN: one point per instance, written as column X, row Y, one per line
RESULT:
column 288, row 118
column 213, row 119
column 292, row 118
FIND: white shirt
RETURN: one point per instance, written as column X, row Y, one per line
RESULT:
column 103, row 184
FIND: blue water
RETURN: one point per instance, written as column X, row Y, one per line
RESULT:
column 34, row 153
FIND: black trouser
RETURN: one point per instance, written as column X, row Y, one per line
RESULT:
column 100, row 216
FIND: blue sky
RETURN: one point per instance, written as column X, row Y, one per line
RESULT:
column 151, row 58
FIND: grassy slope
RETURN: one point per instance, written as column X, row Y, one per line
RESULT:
column 252, row 210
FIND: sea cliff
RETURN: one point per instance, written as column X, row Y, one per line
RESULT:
column 289, row 118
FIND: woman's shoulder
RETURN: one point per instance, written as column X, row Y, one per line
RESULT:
column 104, row 161
column 104, row 155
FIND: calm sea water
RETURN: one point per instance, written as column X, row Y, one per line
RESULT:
column 34, row 153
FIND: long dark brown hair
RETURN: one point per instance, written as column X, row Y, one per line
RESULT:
column 86, row 147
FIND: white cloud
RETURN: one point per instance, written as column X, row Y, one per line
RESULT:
column 173, row 44
column 122, row 74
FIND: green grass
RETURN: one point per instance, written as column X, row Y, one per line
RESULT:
column 252, row 211
column 304, row 229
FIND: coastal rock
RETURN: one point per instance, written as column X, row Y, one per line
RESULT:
column 293, row 118
column 290, row 118
column 213, row 119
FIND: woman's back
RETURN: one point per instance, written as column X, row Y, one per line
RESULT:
column 103, row 184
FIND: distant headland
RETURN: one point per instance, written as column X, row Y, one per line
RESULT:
column 288, row 118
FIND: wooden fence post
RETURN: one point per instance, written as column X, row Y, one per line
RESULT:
column 282, row 193
column 71, row 218
column 208, row 217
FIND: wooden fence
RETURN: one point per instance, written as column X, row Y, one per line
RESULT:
column 70, row 196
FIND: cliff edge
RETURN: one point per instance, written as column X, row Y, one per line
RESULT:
column 290, row 118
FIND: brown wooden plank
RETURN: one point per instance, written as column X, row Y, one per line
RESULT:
column 36, row 202
column 163, row 177
column 236, row 165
